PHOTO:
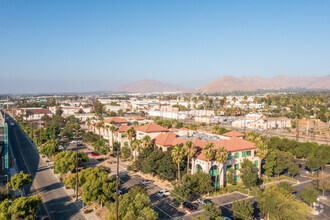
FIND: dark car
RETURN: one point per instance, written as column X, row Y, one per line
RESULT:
column 190, row 206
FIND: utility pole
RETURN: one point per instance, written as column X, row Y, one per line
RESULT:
column 117, row 183
column 77, row 168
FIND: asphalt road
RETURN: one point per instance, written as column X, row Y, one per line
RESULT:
column 57, row 204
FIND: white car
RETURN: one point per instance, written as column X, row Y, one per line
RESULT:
column 145, row 182
column 163, row 192
column 204, row 201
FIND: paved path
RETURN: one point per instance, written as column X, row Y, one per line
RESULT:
column 56, row 202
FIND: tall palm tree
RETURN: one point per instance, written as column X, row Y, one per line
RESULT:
column 137, row 147
column 221, row 156
column 177, row 156
column 130, row 134
column 88, row 121
column 98, row 127
column 190, row 150
column 146, row 140
column 107, row 128
column 262, row 151
column 112, row 129
column 209, row 153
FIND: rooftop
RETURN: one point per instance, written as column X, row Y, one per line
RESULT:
column 151, row 128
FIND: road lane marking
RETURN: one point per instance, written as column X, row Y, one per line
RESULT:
column 19, row 147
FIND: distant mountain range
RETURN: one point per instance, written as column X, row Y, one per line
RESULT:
column 253, row 83
column 231, row 84
column 148, row 86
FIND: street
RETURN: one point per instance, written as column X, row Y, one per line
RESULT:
column 56, row 202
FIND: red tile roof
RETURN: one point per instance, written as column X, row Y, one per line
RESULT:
column 151, row 128
column 139, row 118
column 232, row 145
column 124, row 128
column 168, row 139
column 233, row 134
column 41, row 111
column 117, row 120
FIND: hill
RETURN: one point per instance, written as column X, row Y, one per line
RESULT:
column 147, row 86
column 244, row 83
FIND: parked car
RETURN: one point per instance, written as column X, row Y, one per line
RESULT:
column 74, row 141
column 163, row 192
column 190, row 206
column 145, row 182
column 95, row 154
column 225, row 218
column 204, row 201
column 12, row 123
column 61, row 148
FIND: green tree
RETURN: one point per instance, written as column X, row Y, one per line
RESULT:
column 324, row 182
column 20, row 208
column 212, row 211
column 287, row 186
column 293, row 169
column 312, row 163
column 125, row 152
column 198, row 182
column 270, row 163
column 248, row 173
column 177, row 156
column 262, row 151
column 66, row 161
column 181, row 193
column 209, row 153
column 19, row 180
column 130, row 134
column 277, row 203
column 309, row 194
column 243, row 209
column 221, row 156
column 230, row 176
column 191, row 150
column 48, row 148
column 133, row 205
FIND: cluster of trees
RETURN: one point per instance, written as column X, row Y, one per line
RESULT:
column 66, row 161
column 22, row 207
column 219, row 130
column 133, row 205
column 96, row 184
column 278, row 161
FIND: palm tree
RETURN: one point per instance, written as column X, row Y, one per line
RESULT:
column 327, row 114
column 146, row 140
column 191, row 150
column 221, row 156
column 262, row 152
column 136, row 123
column 107, row 128
column 130, row 134
column 209, row 153
column 98, row 127
column 177, row 156
column 137, row 147
column 112, row 129
column 88, row 121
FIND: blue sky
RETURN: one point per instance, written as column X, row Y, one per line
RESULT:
column 78, row 45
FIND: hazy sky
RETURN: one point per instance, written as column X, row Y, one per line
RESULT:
column 78, row 45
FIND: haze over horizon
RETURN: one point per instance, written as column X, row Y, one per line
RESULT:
column 79, row 46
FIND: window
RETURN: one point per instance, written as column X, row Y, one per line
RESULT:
column 236, row 166
column 229, row 156
column 256, row 163
column 244, row 154
column 236, row 178
column 237, row 155
column 248, row 153
column 122, row 135
column 228, row 167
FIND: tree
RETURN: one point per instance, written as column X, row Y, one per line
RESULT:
column 212, row 211
column 126, row 152
column 181, row 193
column 324, row 182
column 146, row 140
column 293, row 169
column 19, row 180
column 270, row 164
column 277, row 203
column 282, row 161
column 287, row 186
column 198, row 182
column 248, row 174
column 262, row 151
column 312, row 163
column 66, row 161
column 112, row 129
column 230, row 176
column 243, row 209
column 133, row 205
column 21, row 208
column 209, row 153
column 177, row 156
column 191, row 150
column 136, row 146
column 221, row 156
column 309, row 194
column 48, row 148
column 98, row 189
column 130, row 134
